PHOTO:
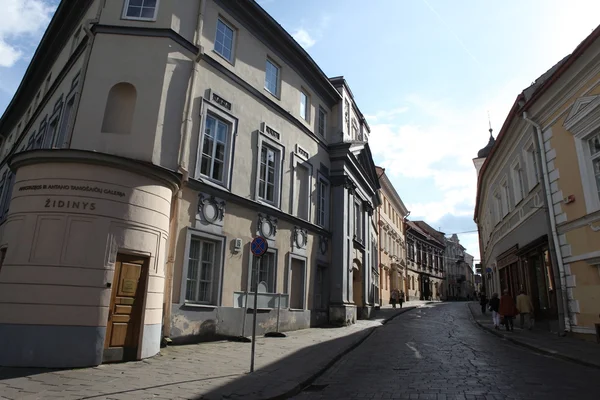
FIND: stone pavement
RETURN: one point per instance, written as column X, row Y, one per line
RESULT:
column 215, row 370
column 575, row 350
column 438, row 352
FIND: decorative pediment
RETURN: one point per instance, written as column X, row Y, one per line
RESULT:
column 585, row 111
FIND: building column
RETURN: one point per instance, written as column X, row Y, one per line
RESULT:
column 342, row 311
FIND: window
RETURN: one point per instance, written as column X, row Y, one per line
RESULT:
column 319, row 288
column 518, row 183
column 48, row 79
column 532, row 166
column 214, row 148
column 323, row 203
column 75, row 40
column 37, row 100
column 358, row 228
column 272, row 78
column 322, row 127
column 594, row 144
column 499, row 211
column 268, row 174
column 302, row 188
column 297, row 286
column 51, row 132
column 201, row 274
column 505, row 198
column 304, row 104
column 266, row 272
column 62, row 138
column 2, row 257
column 141, row 9
column 224, row 40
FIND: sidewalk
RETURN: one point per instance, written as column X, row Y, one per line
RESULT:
column 575, row 350
column 215, row 370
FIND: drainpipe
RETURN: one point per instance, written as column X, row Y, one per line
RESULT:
column 565, row 319
column 183, row 168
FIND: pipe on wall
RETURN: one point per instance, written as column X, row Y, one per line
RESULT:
column 565, row 320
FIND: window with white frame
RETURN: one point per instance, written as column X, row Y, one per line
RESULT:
column 62, row 137
column 499, row 210
column 518, row 183
column 322, row 127
column 304, row 105
column 532, row 166
column 266, row 265
column 214, row 146
column 140, row 9
column 202, row 271
column 224, row 40
column 272, row 78
column 358, row 225
column 322, row 202
column 594, row 146
column 49, row 135
column 268, row 174
column 505, row 198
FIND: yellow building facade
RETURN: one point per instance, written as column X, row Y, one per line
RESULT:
column 392, row 243
column 566, row 116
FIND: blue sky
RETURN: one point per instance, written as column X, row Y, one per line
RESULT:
column 424, row 72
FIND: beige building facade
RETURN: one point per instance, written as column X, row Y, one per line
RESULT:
column 391, row 219
column 425, row 266
column 549, row 144
column 144, row 149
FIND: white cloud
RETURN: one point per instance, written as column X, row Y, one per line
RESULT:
column 303, row 38
column 21, row 22
column 386, row 114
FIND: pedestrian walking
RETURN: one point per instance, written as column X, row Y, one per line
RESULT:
column 483, row 302
column 394, row 297
column 401, row 298
column 494, row 308
column 525, row 308
column 507, row 310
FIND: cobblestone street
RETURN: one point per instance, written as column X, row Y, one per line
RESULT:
column 439, row 353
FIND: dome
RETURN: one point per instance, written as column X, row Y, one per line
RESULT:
column 483, row 153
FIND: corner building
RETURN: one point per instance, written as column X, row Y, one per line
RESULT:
column 147, row 144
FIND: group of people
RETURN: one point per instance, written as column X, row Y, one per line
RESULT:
column 505, row 309
column 396, row 297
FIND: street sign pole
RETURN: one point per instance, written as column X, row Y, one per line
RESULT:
column 258, row 247
column 258, row 261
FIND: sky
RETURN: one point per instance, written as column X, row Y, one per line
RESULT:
column 425, row 73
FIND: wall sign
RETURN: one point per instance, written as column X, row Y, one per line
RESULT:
column 70, row 204
column 73, row 188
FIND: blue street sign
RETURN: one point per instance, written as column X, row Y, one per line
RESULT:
column 259, row 246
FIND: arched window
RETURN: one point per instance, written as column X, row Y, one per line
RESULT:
column 120, row 106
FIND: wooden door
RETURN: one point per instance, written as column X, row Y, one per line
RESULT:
column 126, row 306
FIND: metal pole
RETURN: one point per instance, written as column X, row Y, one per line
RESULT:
column 254, row 312
column 278, row 309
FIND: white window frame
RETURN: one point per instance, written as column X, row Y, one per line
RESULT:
column 530, row 155
column 498, row 207
column 518, row 182
column 233, row 39
column 271, row 251
column 583, row 125
column 218, row 113
column 323, row 201
column 297, row 161
column 505, row 195
column 219, row 242
column 278, row 78
column 265, row 141
column 306, row 105
column 63, row 134
column 126, row 8
column 322, row 117
column 289, row 280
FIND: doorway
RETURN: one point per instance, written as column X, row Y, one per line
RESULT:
column 126, row 306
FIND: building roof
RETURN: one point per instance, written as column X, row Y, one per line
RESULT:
column 386, row 184
column 427, row 231
column 529, row 96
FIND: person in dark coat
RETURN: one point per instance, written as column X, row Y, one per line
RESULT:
column 483, row 302
column 508, row 310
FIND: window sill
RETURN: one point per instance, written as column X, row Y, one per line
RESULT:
column 224, row 58
column 209, row 182
column 297, row 309
column 275, row 96
column 267, row 204
column 199, row 305
column 125, row 17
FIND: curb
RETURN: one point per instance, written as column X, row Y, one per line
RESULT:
column 537, row 349
column 307, row 382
